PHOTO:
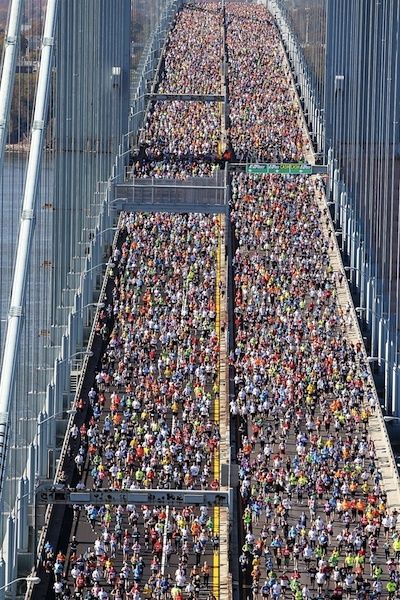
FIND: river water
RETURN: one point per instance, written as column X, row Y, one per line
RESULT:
column 11, row 194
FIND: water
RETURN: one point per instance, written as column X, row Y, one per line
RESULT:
column 11, row 194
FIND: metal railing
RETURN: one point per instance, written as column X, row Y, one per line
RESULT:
column 395, row 476
column 201, row 192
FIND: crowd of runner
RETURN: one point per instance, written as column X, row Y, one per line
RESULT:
column 162, row 358
column 152, row 423
column 189, row 69
column 315, row 520
column 263, row 113
column 181, row 139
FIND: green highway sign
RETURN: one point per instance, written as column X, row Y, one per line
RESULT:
column 280, row 169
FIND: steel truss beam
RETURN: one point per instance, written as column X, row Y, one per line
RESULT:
column 185, row 97
column 53, row 495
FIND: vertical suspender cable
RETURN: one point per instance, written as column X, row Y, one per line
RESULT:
column 17, row 301
column 8, row 74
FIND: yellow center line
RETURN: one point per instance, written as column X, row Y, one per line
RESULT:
column 221, row 139
column 216, row 457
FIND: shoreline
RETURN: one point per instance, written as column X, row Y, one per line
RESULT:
column 17, row 148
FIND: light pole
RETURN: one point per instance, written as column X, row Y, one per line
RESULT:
column 41, row 444
column 378, row 323
column 101, row 231
column 362, row 309
column 94, row 236
column 68, row 359
column 92, row 268
column 63, row 373
column 393, row 427
column 96, row 304
column 80, row 353
column 69, row 411
column 33, row 579
column 349, row 270
column 110, row 203
column 42, row 419
column 379, row 360
column 86, row 290
column 89, row 305
column 42, row 439
column 389, row 370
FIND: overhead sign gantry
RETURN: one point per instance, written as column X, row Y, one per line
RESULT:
column 59, row 495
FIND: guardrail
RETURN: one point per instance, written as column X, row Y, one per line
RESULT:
column 153, row 64
column 301, row 69
column 392, row 498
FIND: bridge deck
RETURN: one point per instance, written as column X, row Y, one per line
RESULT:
column 303, row 389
